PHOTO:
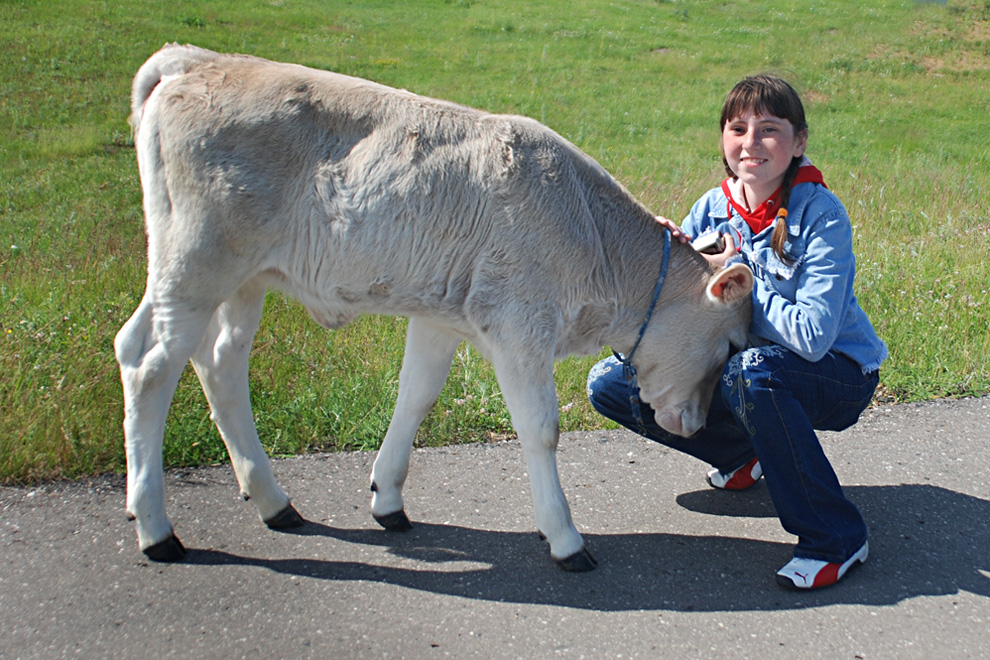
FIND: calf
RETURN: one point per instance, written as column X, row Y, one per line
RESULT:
column 357, row 198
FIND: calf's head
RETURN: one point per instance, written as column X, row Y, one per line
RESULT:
column 687, row 344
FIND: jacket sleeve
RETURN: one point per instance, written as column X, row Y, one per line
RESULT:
column 809, row 320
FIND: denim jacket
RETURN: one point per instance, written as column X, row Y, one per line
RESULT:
column 807, row 305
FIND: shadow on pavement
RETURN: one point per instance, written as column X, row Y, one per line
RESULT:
column 925, row 540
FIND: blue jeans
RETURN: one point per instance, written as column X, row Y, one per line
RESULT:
column 769, row 404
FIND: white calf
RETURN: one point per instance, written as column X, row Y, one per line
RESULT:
column 357, row 198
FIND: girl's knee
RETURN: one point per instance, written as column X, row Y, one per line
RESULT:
column 757, row 362
column 607, row 385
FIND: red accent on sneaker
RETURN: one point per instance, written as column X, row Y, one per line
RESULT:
column 827, row 576
column 744, row 477
column 739, row 479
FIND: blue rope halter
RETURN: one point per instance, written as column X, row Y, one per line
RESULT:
column 628, row 370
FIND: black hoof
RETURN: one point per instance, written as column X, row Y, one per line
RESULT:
column 169, row 550
column 394, row 522
column 287, row 518
column 580, row 562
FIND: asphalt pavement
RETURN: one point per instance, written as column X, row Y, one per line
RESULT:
column 685, row 571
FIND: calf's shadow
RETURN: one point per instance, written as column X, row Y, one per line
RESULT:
column 924, row 540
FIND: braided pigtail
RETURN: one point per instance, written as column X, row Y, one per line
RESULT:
column 780, row 230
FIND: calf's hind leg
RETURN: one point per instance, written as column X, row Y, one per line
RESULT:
column 221, row 362
column 425, row 367
column 152, row 349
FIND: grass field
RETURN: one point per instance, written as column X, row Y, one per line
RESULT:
column 897, row 94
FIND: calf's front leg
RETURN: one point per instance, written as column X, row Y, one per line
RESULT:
column 529, row 392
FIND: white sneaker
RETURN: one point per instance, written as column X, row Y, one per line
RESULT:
column 800, row 573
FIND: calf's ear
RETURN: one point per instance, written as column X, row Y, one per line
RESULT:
column 731, row 285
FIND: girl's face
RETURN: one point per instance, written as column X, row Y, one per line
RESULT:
column 758, row 149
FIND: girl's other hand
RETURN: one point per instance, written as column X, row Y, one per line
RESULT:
column 723, row 257
column 675, row 231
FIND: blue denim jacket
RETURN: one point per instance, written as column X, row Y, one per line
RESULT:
column 807, row 306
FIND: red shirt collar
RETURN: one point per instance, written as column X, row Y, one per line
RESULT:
column 763, row 215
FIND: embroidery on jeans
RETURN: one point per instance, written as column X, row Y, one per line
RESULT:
column 599, row 370
column 733, row 378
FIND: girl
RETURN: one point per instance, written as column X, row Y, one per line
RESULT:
column 815, row 357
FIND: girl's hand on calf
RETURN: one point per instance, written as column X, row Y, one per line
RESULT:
column 675, row 231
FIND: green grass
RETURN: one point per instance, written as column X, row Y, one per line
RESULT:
column 896, row 93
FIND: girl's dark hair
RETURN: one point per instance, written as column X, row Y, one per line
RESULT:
column 766, row 94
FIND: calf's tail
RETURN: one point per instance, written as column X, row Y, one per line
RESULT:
column 171, row 61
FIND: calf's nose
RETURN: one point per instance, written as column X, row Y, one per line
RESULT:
column 680, row 422
column 670, row 421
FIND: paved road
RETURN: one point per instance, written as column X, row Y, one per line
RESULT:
column 686, row 571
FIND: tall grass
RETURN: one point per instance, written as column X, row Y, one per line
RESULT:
column 897, row 98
